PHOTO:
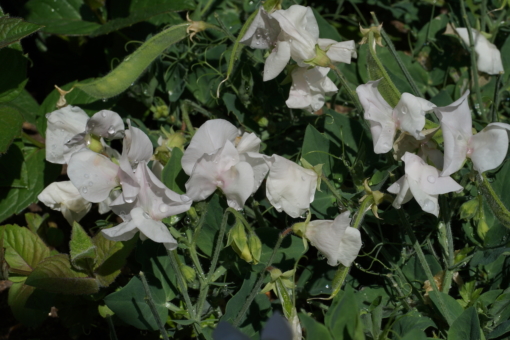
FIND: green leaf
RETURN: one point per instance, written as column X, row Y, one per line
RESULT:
column 82, row 250
column 413, row 320
column 26, row 105
column 11, row 122
column 111, row 257
column 54, row 274
column 14, row 29
column 13, row 68
column 343, row 317
column 24, row 250
column 129, row 304
column 327, row 31
column 452, row 308
column 313, row 329
column 13, row 170
column 466, row 326
column 133, row 65
column 66, row 17
column 211, row 226
column 173, row 176
column 40, row 174
column 316, row 149
column 29, row 305
column 235, row 304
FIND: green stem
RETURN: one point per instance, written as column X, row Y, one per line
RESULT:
column 187, row 121
column 449, row 258
column 258, row 215
column 474, row 66
column 113, row 334
column 174, row 262
column 498, row 208
column 256, row 288
column 400, row 63
column 350, row 92
column 333, row 190
column 32, row 140
column 152, row 306
column 495, row 103
column 483, row 15
column 206, row 8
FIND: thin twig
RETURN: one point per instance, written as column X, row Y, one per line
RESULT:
column 152, row 306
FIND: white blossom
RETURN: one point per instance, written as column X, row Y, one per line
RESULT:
column 488, row 55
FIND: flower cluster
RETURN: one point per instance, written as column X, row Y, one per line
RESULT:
column 293, row 33
column 424, row 182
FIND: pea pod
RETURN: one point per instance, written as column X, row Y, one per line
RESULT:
column 133, row 65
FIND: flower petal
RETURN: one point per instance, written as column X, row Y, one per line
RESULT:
column 277, row 60
column 379, row 114
column 93, row 174
column 249, row 142
column 427, row 202
column 63, row 125
column 106, row 124
column 290, row 187
column 338, row 52
column 238, row 184
column 410, row 114
column 137, row 146
column 130, row 186
column 155, row 230
column 263, row 31
column 260, row 164
column 309, row 86
column 489, row 57
column 488, row 147
column 401, row 188
column 210, row 137
column 122, row 232
column 456, row 126
column 63, row 196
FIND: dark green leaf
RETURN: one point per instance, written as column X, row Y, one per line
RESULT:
column 452, row 309
column 26, row 105
column 13, row 68
column 13, row 169
column 54, row 274
column 173, row 176
column 313, row 329
column 343, row 317
column 111, row 257
column 466, row 326
column 28, row 304
column 14, row 29
column 11, row 122
column 82, row 250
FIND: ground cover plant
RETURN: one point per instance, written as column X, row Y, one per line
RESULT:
column 238, row 169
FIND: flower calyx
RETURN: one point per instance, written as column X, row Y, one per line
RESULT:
column 279, row 278
column 62, row 100
column 272, row 5
column 377, row 198
column 321, row 59
column 315, row 168
column 194, row 27
column 377, row 37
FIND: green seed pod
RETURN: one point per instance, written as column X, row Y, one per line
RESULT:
column 239, row 241
column 255, row 247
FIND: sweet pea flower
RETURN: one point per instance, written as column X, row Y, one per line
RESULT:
column 487, row 149
column 276, row 328
column 153, row 203
column 488, row 55
column 294, row 33
column 336, row 240
column 64, row 197
column 218, row 157
column 70, row 129
column 309, row 86
column 408, row 115
column 422, row 182
column 290, row 187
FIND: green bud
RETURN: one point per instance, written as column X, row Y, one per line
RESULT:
column 255, row 247
column 272, row 5
column 104, row 311
column 239, row 241
column 188, row 273
column 299, row 228
column 176, row 140
column 275, row 273
column 469, row 209
column 94, row 143
column 321, row 58
column 482, row 228
column 162, row 154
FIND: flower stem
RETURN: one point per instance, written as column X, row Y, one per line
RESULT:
column 32, row 140
column 400, row 63
column 494, row 202
column 495, row 103
column 256, row 288
column 449, row 258
column 474, row 66
column 187, row 121
column 349, row 90
column 113, row 334
column 150, row 301
column 333, row 190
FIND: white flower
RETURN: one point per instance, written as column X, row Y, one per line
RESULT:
column 276, row 328
column 64, row 197
column 69, row 130
column 292, row 33
column 336, row 240
column 309, row 87
column 153, row 203
column 488, row 55
column 422, row 182
column 487, row 149
column 408, row 115
column 290, row 187
column 217, row 157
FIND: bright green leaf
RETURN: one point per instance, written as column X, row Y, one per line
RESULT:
column 173, row 176
column 82, row 250
column 14, row 29
column 111, row 257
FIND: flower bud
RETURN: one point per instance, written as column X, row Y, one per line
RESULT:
column 188, row 273
column 255, row 247
column 176, row 140
column 482, row 228
column 469, row 209
column 239, row 241
column 94, row 143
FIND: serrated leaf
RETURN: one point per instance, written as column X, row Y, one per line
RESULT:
column 24, row 250
column 55, row 274
column 82, row 250
column 13, row 68
column 111, row 257
column 14, row 29
column 11, row 122
column 173, row 176
column 29, row 305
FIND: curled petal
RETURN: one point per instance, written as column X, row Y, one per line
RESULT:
column 338, row 52
column 260, row 164
column 263, row 31
column 277, row 60
column 93, row 174
column 137, row 146
column 488, row 148
column 104, row 206
column 237, row 184
column 456, row 126
column 489, row 57
column 401, row 188
column 106, row 124
column 249, row 142
column 155, row 230
column 64, row 197
column 410, row 114
column 63, row 125
column 210, row 137
column 309, row 86
column 290, row 187
column 130, row 186
column 379, row 114
column 122, row 232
